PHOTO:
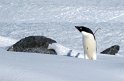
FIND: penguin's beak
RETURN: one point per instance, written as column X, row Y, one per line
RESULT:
column 77, row 27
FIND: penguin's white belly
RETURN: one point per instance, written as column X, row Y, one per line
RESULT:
column 90, row 48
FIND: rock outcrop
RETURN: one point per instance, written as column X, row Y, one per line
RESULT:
column 34, row 44
column 112, row 50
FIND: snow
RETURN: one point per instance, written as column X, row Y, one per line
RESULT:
column 56, row 19
column 65, row 51
column 61, row 10
column 5, row 41
column 36, row 67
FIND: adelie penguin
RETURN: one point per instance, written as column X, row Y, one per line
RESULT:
column 89, row 42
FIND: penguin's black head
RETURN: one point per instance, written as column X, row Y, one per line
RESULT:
column 84, row 29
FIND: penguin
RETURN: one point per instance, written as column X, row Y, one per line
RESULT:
column 89, row 42
column 65, row 51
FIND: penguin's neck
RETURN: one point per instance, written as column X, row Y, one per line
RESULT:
column 88, row 35
column 88, row 38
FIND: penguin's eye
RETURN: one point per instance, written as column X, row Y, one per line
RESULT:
column 80, row 28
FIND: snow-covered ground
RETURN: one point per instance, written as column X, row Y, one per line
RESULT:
column 56, row 19
column 36, row 67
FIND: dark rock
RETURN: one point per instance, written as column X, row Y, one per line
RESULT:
column 112, row 50
column 35, row 44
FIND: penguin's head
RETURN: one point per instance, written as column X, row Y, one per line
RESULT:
column 85, row 31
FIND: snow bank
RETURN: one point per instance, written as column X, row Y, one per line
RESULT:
column 38, row 67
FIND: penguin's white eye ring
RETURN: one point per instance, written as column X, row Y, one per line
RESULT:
column 80, row 28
